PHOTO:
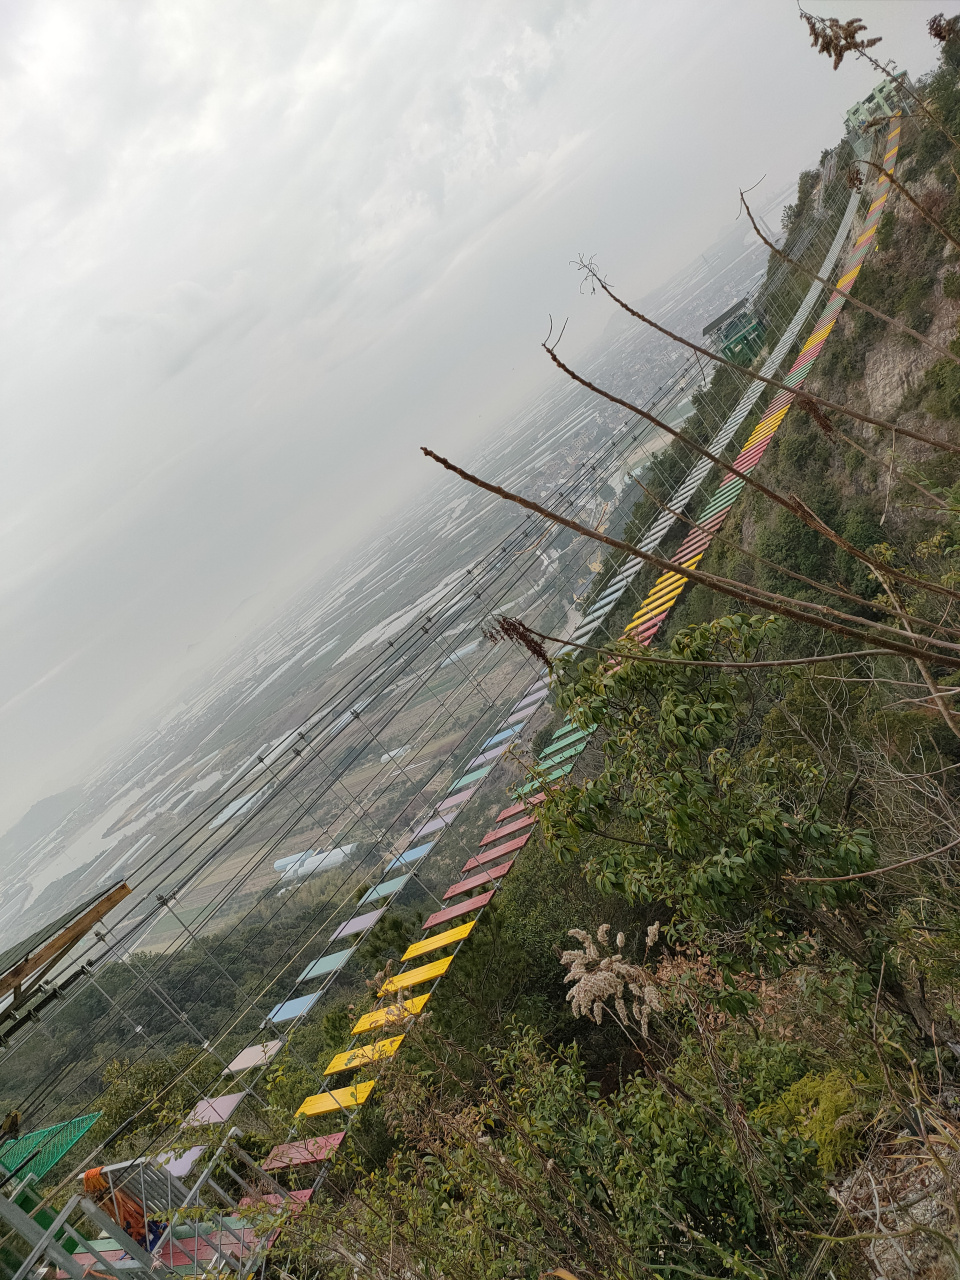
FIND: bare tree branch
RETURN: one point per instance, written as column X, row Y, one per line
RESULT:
column 645, row 656
column 586, row 265
column 854, row 302
column 791, row 504
column 798, row 611
column 878, row 871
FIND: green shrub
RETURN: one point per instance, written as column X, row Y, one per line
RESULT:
column 942, row 386
column 885, row 231
column 830, row 1110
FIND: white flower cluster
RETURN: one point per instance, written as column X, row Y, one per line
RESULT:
column 598, row 978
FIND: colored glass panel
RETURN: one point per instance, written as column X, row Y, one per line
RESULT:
column 326, row 964
column 558, row 756
column 410, row 855
column 473, row 777
column 288, row 1009
column 179, row 1164
column 215, row 1110
column 457, row 934
column 493, row 754
column 385, row 890
column 460, row 798
column 256, row 1056
column 321, row 1104
column 366, row 1053
column 392, row 1014
column 357, row 925
column 551, row 777
column 567, row 739
column 435, row 824
column 413, row 977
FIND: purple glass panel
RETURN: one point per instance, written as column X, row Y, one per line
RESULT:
column 255, row 1056
column 493, row 754
column 436, row 824
column 215, row 1110
column 178, row 1166
column 460, row 798
column 357, row 925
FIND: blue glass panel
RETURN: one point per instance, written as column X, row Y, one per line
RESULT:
column 326, row 964
column 410, row 855
column 385, row 890
column 288, row 1009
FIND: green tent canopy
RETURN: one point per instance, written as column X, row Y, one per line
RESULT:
column 50, row 1145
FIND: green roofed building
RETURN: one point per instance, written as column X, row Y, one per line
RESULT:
column 46, row 1146
column 738, row 333
column 883, row 101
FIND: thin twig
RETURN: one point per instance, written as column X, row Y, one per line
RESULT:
column 879, row 871
column 737, row 666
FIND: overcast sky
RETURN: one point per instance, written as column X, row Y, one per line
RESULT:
column 255, row 253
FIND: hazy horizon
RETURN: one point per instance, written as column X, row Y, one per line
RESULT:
column 255, row 258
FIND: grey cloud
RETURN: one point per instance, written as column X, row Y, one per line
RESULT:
column 254, row 255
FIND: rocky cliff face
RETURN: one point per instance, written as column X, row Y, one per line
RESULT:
column 895, row 365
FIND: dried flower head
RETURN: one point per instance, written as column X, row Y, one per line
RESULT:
column 375, row 983
column 944, row 29
column 599, row 978
column 854, row 178
column 653, row 933
column 504, row 628
column 814, row 411
column 835, row 38
column 651, row 1004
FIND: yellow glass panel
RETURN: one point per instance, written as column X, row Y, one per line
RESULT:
column 424, row 973
column 441, row 940
column 393, row 1013
column 318, row 1104
column 366, row 1053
